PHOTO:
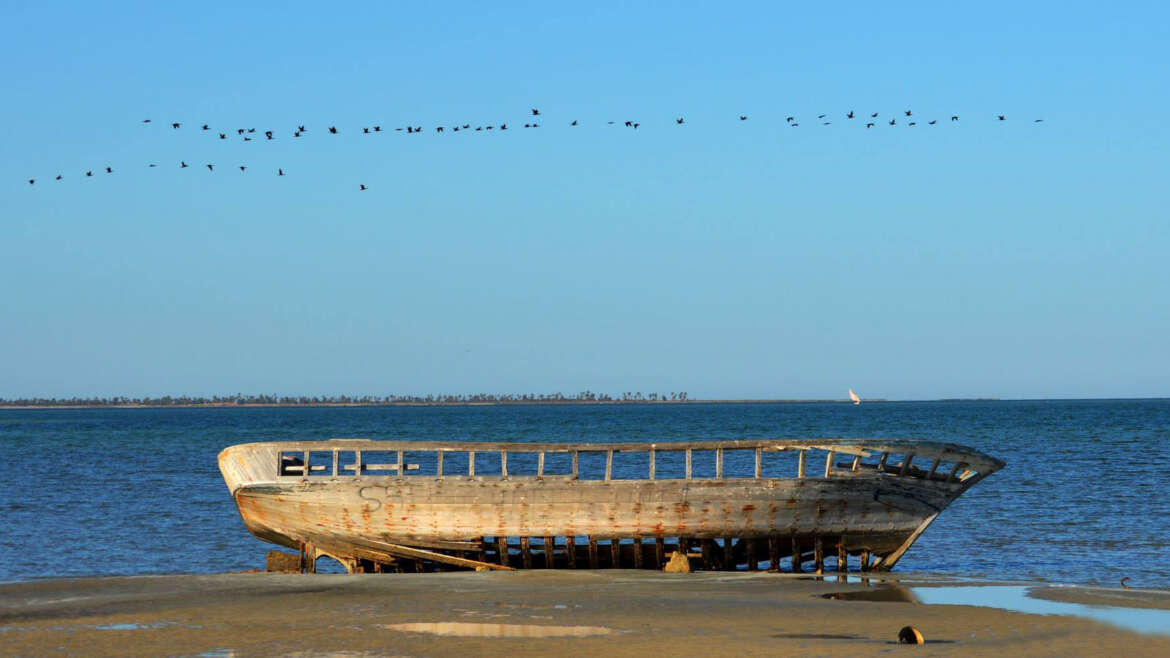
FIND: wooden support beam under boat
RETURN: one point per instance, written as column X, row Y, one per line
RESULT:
column 729, row 553
column 796, row 566
column 842, row 557
column 502, row 549
column 637, row 552
column 615, row 553
column 774, row 553
column 571, row 551
column 660, row 552
column 753, row 560
column 526, row 552
column 819, row 555
column 549, row 549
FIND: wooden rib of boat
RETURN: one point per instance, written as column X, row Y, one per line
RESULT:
column 404, row 505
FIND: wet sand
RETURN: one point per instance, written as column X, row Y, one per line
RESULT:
column 614, row 613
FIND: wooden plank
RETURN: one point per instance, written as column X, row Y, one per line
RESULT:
column 842, row 556
column 549, row 553
column 800, row 464
column 865, row 560
column 881, row 465
column 471, row 463
column 615, row 553
column 706, row 552
column 829, row 463
column 575, row 472
column 504, row 463
column 688, row 458
column 819, row 554
column 439, row 463
column 593, row 561
column 796, row 557
column 906, row 464
column 774, row 553
column 540, row 464
column 571, row 551
column 419, row 554
column 660, row 552
column 608, row 465
column 719, row 463
column 652, row 463
column 753, row 559
column 729, row 554
column 526, row 552
column 637, row 552
column 759, row 472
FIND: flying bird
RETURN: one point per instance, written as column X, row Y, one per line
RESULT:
column 377, row 129
column 913, row 123
column 251, row 130
column 239, row 131
column 873, row 116
column 439, row 129
column 743, row 117
column 242, row 167
column 869, row 125
column 679, row 120
column 205, row 127
column 59, row 175
column 182, row 165
column 332, row 130
column 222, row 136
column 820, row 116
column 366, row 130
column 790, row 119
column 268, row 134
column 361, row 187
column 146, row 121
column 573, row 123
column 300, row 129
column 932, row 121
column 535, row 112
column 174, row 125
column 31, row 181
column 850, row 115
column 1001, row 117
column 109, row 170
column 892, row 122
column 247, row 139
column 210, row 167
column 954, row 117
column 503, row 126
column 89, row 173
column 1038, row 121
column 827, row 123
column 279, row 172
column 908, row 112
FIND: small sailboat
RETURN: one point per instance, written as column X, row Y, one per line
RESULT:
column 853, row 396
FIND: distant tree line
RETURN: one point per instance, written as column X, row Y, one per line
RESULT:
column 372, row 400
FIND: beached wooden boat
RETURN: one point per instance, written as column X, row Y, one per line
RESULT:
column 394, row 505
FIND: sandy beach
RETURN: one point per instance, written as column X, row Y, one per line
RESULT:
column 614, row 613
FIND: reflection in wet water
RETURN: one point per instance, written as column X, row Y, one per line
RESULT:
column 884, row 593
column 464, row 629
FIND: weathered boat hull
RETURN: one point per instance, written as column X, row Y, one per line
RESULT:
column 855, row 509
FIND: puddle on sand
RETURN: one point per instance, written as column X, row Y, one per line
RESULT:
column 1014, row 598
column 465, row 629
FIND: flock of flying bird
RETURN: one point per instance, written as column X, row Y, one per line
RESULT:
column 248, row 134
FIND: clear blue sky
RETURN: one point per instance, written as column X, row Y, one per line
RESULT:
column 723, row 258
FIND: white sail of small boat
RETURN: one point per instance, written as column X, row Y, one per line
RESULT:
column 853, row 396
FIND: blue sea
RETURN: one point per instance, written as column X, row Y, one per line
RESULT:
column 1084, row 497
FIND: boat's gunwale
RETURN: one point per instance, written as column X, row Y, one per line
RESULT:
column 985, row 464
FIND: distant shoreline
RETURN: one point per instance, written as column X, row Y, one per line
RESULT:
column 500, row 403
